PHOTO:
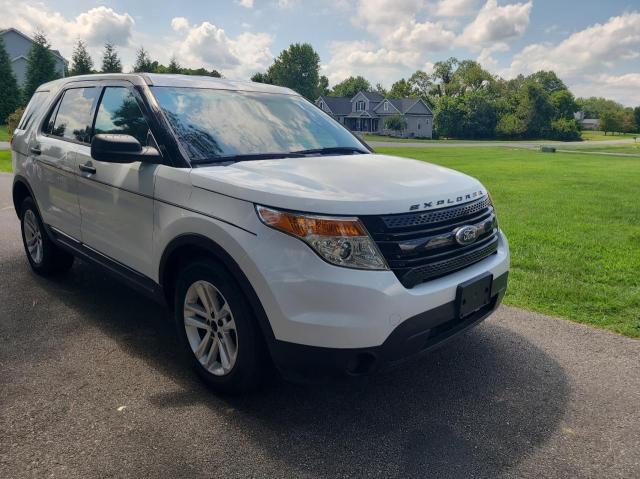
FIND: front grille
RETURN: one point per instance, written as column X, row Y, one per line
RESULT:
column 421, row 246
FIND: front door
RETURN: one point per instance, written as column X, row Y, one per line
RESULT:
column 116, row 200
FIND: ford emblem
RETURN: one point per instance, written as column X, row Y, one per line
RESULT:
column 466, row 234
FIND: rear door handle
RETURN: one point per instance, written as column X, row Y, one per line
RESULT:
column 35, row 150
column 87, row 169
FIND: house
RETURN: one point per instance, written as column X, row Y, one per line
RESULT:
column 366, row 112
column 18, row 45
column 586, row 123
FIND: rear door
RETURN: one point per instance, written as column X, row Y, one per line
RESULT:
column 116, row 200
column 53, row 149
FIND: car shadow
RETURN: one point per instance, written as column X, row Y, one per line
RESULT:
column 474, row 408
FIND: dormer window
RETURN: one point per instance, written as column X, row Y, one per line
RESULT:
column 386, row 106
column 360, row 105
column 321, row 105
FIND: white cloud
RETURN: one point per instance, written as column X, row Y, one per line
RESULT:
column 179, row 24
column 95, row 26
column 589, row 50
column 209, row 45
column 621, row 88
column 286, row 3
column 455, row 8
column 246, row 3
column 363, row 58
column 496, row 24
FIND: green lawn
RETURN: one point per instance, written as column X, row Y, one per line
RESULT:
column 599, row 135
column 631, row 148
column 4, row 134
column 5, row 161
column 573, row 222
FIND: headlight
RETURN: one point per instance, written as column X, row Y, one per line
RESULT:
column 340, row 241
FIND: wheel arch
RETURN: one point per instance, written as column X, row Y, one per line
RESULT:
column 191, row 246
column 21, row 190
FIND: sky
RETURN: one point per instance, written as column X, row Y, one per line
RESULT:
column 594, row 46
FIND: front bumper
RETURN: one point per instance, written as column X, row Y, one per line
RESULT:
column 413, row 337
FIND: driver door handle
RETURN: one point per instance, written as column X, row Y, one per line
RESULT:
column 87, row 168
column 35, row 150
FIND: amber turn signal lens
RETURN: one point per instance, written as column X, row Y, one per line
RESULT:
column 304, row 226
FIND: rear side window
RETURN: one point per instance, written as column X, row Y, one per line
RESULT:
column 73, row 118
column 119, row 113
column 35, row 104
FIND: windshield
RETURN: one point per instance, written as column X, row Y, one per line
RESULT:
column 214, row 125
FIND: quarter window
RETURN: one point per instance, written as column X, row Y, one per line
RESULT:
column 119, row 113
column 72, row 120
column 34, row 105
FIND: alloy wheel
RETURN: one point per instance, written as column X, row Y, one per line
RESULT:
column 33, row 236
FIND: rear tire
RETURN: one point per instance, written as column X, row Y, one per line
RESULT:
column 45, row 258
column 217, row 328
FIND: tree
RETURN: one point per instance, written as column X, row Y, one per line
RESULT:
column 469, row 76
column 110, row 61
column 534, row 110
column 41, row 66
column 401, row 89
column 349, row 87
column 9, row 91
column 82, row 63
column 565, row 129
column 443, row 75
column 510, row 126
column 261, row 78
column 480, row 115
column 594, row 106
column 396, row 123
column 298, row 68
column 628, row 121
column 143, row 62
column 323, row 86
column 548, row 80
column 564, row 104
column 610, row 121
column 448, row 116
column 636, row 117
column 421, row 84
column 381, row 90
column 174, row 66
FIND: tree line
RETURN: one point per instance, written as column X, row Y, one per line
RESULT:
column 467, row 101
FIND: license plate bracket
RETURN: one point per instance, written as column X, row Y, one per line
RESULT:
column 473, row 295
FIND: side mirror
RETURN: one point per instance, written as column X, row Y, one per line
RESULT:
column 122, row 149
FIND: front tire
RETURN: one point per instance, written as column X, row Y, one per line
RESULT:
column 45, row 258
column 217, row 329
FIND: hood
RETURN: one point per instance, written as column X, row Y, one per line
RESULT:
column 341, row 185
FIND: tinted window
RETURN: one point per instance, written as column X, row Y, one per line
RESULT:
column 73, row 118
column 119, row 113
column 34, row 106
column 213, row 124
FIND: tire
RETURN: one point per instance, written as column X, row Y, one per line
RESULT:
column 45, row 258
column 217, row 328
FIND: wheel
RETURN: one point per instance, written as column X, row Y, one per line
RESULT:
column 44, row 256
column 217, row 329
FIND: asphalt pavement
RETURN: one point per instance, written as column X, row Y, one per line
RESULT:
column 92, row 385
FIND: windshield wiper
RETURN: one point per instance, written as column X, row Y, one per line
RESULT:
column 331, row 150
column 251, row 157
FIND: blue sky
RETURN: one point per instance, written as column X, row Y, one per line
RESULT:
column 593, row 45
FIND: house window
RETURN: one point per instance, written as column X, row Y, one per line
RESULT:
column 360, row 105
column 386, row 106
column 321, row 105
column 418, row 125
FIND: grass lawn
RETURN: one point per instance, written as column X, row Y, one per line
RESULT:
column 5, row 161
column 573, row 223
column 4, row 134
column 588, row 135
column 631, row 148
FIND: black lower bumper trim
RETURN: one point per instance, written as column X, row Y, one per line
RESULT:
column 416, row 335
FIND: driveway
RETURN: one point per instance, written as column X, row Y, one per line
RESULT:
column 493, row 144
column 92, row 385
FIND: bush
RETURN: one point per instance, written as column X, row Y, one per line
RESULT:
column 510, row 126
column 395, row 122
column 565, row 130
column 14, row 119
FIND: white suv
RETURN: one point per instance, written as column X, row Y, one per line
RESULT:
column 276, row 236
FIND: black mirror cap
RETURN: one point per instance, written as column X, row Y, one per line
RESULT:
column 113, row 148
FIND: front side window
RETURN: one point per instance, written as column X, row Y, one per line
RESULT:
column 72, row 120
column 214, row 124
column 119, row 113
